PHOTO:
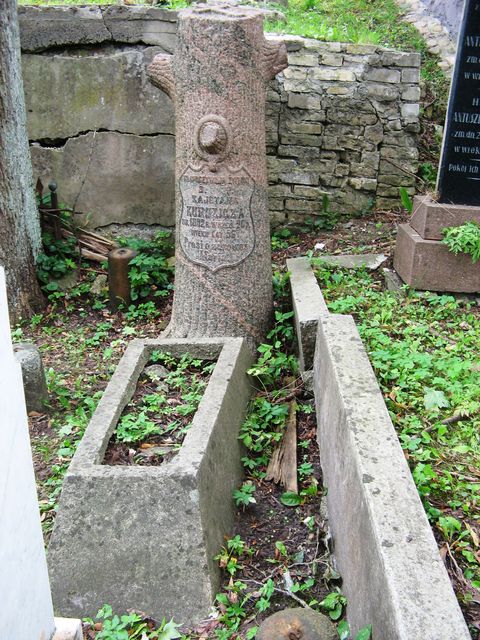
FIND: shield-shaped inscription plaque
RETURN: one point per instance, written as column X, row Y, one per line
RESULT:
column 216, row 224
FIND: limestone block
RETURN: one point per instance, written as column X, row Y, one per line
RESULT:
column 391, row 76
column 300, row 177
column 113, row 177
column 303, row 101
column 295, row 151
column 279, row 191
column 411, row 93
column 353, row 118
column 361, row 48
column 33, row 374
column 306, row 206
column 310, row 128
column 145, row 537
column 301, row 139
column 411, row 75
column 295, row 73
column 303, row 59
column 340, row 90
column 400, row 59
column 297, row 86
column 332, row 59
column 385, row 92
column 410, row 111
column 44, row 27
column 93, row 96
column 332, row 74
column 309, row 192
column 368, row 184
column 275, row 166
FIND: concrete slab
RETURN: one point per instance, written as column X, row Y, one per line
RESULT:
column 428, row 265
column 392, row 572
column 308, row 306
column 370, row 261
column 430, row 217
column 144, row 538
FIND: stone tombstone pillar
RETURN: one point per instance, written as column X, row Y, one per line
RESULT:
column 421, row 258
column 217, row 79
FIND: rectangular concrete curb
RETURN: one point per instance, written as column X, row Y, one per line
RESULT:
column 393, row 576
column 144, row 537
column 308, row 306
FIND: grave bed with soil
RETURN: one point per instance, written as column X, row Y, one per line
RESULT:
column 154, row 423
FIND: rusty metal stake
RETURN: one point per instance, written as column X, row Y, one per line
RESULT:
column 57, row 227
column 118, row 282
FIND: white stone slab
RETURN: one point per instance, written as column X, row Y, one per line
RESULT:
column 26, row 611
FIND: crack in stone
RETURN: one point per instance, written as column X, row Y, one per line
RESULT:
column 59, row 143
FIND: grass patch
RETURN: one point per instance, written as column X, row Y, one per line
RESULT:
column 424, row 350
column 359, row 22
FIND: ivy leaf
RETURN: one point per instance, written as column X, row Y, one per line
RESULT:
column 343, row 630
column 434, row 399
column 365, row 633
column 290, row 499
column 169, row 631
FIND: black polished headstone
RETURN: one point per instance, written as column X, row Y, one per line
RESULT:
column 459, row 175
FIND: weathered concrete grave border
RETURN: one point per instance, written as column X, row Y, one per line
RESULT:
column 141, row 537
column 308, row 306
column 392, row 572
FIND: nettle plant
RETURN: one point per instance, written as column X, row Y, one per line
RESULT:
column 464, row 239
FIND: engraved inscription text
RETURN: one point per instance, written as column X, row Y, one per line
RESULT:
column 216, row 225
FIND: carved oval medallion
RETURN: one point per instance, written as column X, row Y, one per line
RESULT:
column 212, row 138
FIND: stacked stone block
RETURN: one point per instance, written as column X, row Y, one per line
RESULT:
column 342, row 119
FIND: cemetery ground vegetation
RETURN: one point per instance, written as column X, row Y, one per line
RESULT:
column 278, row 554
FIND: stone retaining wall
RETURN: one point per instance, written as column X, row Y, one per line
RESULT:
column 341, row 120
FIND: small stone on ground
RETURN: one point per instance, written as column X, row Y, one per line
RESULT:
column 304, row 624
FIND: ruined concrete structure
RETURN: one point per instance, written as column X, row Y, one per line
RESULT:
column 340, row 130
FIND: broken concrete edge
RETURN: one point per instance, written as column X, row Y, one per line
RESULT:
column 91, row 450
column 392, row 572
column 44, row 27
column 67, row 629
column 159, row 556
column 308, row 307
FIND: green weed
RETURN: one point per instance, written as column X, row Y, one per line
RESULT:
column 464, row 239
